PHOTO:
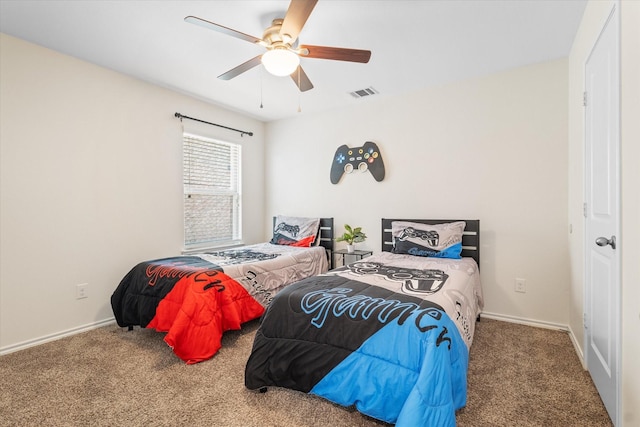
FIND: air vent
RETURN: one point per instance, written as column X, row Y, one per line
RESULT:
column 364, row 92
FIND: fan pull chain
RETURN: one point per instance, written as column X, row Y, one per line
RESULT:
column 261, row 75
column 299, row 91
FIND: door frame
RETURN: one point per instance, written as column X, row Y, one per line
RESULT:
column 613, row 17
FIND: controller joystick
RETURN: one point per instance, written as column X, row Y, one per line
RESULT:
column 365, row 158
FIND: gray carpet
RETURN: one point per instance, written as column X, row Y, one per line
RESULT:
column 518, row 376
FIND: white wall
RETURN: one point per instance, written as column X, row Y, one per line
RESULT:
column 91, row 184
column 593, row 20
column 492, row 148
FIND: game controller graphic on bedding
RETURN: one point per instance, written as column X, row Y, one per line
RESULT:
column 431, row 236
column 414, row 281
column 364, row 158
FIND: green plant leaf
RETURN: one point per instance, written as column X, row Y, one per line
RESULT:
column 352, row 235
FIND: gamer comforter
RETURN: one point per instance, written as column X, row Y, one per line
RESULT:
column 196, row 298
column 389, row 334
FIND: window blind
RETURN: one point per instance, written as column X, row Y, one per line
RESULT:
column 212, row 202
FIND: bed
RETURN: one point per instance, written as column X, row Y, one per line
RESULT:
column 196, row 298
column 389, row 334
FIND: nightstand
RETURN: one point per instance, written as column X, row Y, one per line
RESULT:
column 357, row 255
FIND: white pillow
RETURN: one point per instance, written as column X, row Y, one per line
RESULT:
column 437, row 240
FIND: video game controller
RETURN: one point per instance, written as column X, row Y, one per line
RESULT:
column 364, row 158
column 431, row 236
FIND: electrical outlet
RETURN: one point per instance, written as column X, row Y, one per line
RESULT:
column 82, row 291
column 520, row 286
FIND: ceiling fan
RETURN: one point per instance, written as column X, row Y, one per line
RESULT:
column 283, row 53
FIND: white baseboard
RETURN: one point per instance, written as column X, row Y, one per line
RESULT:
column 56, row 336
column 523, row 321
column 576, row 346
column 505, row 318
column 540, row 324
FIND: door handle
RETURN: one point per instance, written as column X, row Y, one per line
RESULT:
column 603, row 241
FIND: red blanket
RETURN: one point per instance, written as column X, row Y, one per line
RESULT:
column 190, row 299
column 199, row 309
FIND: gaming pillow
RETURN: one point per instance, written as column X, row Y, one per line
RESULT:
column 439, row 240
column 295, row 231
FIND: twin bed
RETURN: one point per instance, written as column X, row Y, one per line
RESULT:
column 389, row 334
column 196, row 298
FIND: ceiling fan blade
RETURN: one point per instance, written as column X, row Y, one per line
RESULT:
column 296, row 17
column 222, row 29
column 335, row 53
column 301, row 80
column 241, row 68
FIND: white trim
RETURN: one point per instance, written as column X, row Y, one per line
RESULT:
column 214, row 248
column 576, row 346
column 615, row 413
column 523, row 321
column 56, row 336
column 495, row 316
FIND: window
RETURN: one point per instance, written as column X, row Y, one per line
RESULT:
column 212, row 208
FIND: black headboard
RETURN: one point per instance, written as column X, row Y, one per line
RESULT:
column 326, row 233
column 470, row 237
column 325, row 237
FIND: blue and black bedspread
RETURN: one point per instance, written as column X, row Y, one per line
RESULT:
column 397, row 357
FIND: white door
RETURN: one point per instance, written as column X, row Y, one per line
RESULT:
column 602, row 293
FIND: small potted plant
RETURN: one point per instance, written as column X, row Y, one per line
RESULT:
column 352, row 236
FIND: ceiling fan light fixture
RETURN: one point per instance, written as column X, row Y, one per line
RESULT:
column 280, row 61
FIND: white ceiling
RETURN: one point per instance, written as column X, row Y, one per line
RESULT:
column 414, row 44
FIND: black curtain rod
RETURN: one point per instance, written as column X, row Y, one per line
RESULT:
column 242, row 132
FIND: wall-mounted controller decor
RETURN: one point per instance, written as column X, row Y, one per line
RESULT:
column 365, row 158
